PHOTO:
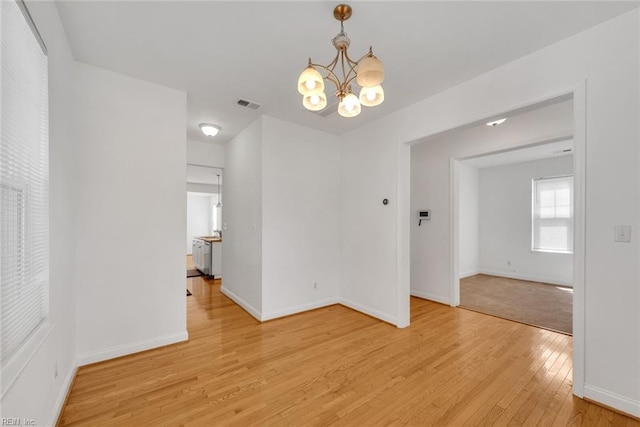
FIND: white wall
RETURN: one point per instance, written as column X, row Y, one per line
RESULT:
column 242, row 223
column 300, row 200
column 505, row 223
column 37, row 393
column 469, row 220
column 281, row 214
column 199, row 219
column 368, row 229
column 373, row 160
column 131, row 216
column 205, row 154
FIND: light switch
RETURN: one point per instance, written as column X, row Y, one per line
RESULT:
column 622, row 233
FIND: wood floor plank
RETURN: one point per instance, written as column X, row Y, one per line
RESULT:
column 334, row 366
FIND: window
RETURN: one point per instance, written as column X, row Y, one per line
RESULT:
column 552, row 206
column 215, row 219
column 24, row 182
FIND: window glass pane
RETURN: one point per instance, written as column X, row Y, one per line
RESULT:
column 553, row 237
column 563, row 197
column 547, row 198
column 549, row 212
column 552, row 214
column 563, row 212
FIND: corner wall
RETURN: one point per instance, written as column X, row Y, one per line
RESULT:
column 131, row 214
column 242, row 223
column 281, row 213
column 300, row 243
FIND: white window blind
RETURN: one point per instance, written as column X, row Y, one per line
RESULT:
column 552, row 225
column 24, row 182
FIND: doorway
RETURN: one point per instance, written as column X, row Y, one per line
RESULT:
column 515, row 222
column 429, row 253
column 204, row 214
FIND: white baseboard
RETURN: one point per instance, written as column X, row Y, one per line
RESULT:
column 242, row 303
column 541, row 279
column 432, row 297
column 62, row 395
column 298, row 309
column 613, row 400
column 370, row 311
column 468, row 273
column 123, row 350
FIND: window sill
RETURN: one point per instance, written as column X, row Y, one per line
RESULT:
column 552, row 251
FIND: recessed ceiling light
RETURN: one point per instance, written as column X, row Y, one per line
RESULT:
column 210, row 129
column 497, row 122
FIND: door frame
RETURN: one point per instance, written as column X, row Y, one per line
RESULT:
column 579, row 93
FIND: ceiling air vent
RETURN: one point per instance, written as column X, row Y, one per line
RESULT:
column 248, row 104
column 327, row 111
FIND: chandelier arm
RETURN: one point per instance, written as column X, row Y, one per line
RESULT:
column 331, row 76
column 344, row 73
column 352, row 69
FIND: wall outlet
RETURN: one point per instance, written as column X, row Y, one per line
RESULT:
column 315, row 285
column 508, row 262
column 622, row 233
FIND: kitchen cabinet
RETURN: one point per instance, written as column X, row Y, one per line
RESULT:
column 207, row 255
column 201, row 253
column 216, row 259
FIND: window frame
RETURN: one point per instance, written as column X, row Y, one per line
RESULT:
column 536, row 220
column 15, row 361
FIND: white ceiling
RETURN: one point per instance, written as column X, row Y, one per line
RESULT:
column 218, row 51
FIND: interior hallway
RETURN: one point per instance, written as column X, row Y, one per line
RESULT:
column 337, row 366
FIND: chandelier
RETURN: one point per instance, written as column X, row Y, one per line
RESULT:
column 367, row 72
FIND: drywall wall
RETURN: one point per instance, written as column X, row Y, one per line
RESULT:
column 40, row 389
column 131, row 216
column 505, row 223
column 368, row 228
column 300, row 225
column 205, row 154
column 199, row 216
column 373, row 163
column 281, row 232
column 469, row 220
column 242, row 223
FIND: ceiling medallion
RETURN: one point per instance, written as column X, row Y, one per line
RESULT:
column 367, row 72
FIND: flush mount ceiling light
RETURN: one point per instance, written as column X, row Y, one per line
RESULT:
column 367, row 72
column 497, row 122
column 210, row 129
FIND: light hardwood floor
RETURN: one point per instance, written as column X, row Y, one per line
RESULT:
column 334, row 366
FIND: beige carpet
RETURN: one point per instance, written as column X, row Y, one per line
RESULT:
column 538, row 304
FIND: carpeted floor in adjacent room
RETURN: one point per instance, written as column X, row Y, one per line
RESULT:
column 538, row 304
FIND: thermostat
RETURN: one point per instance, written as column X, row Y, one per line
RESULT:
column 423, row 215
